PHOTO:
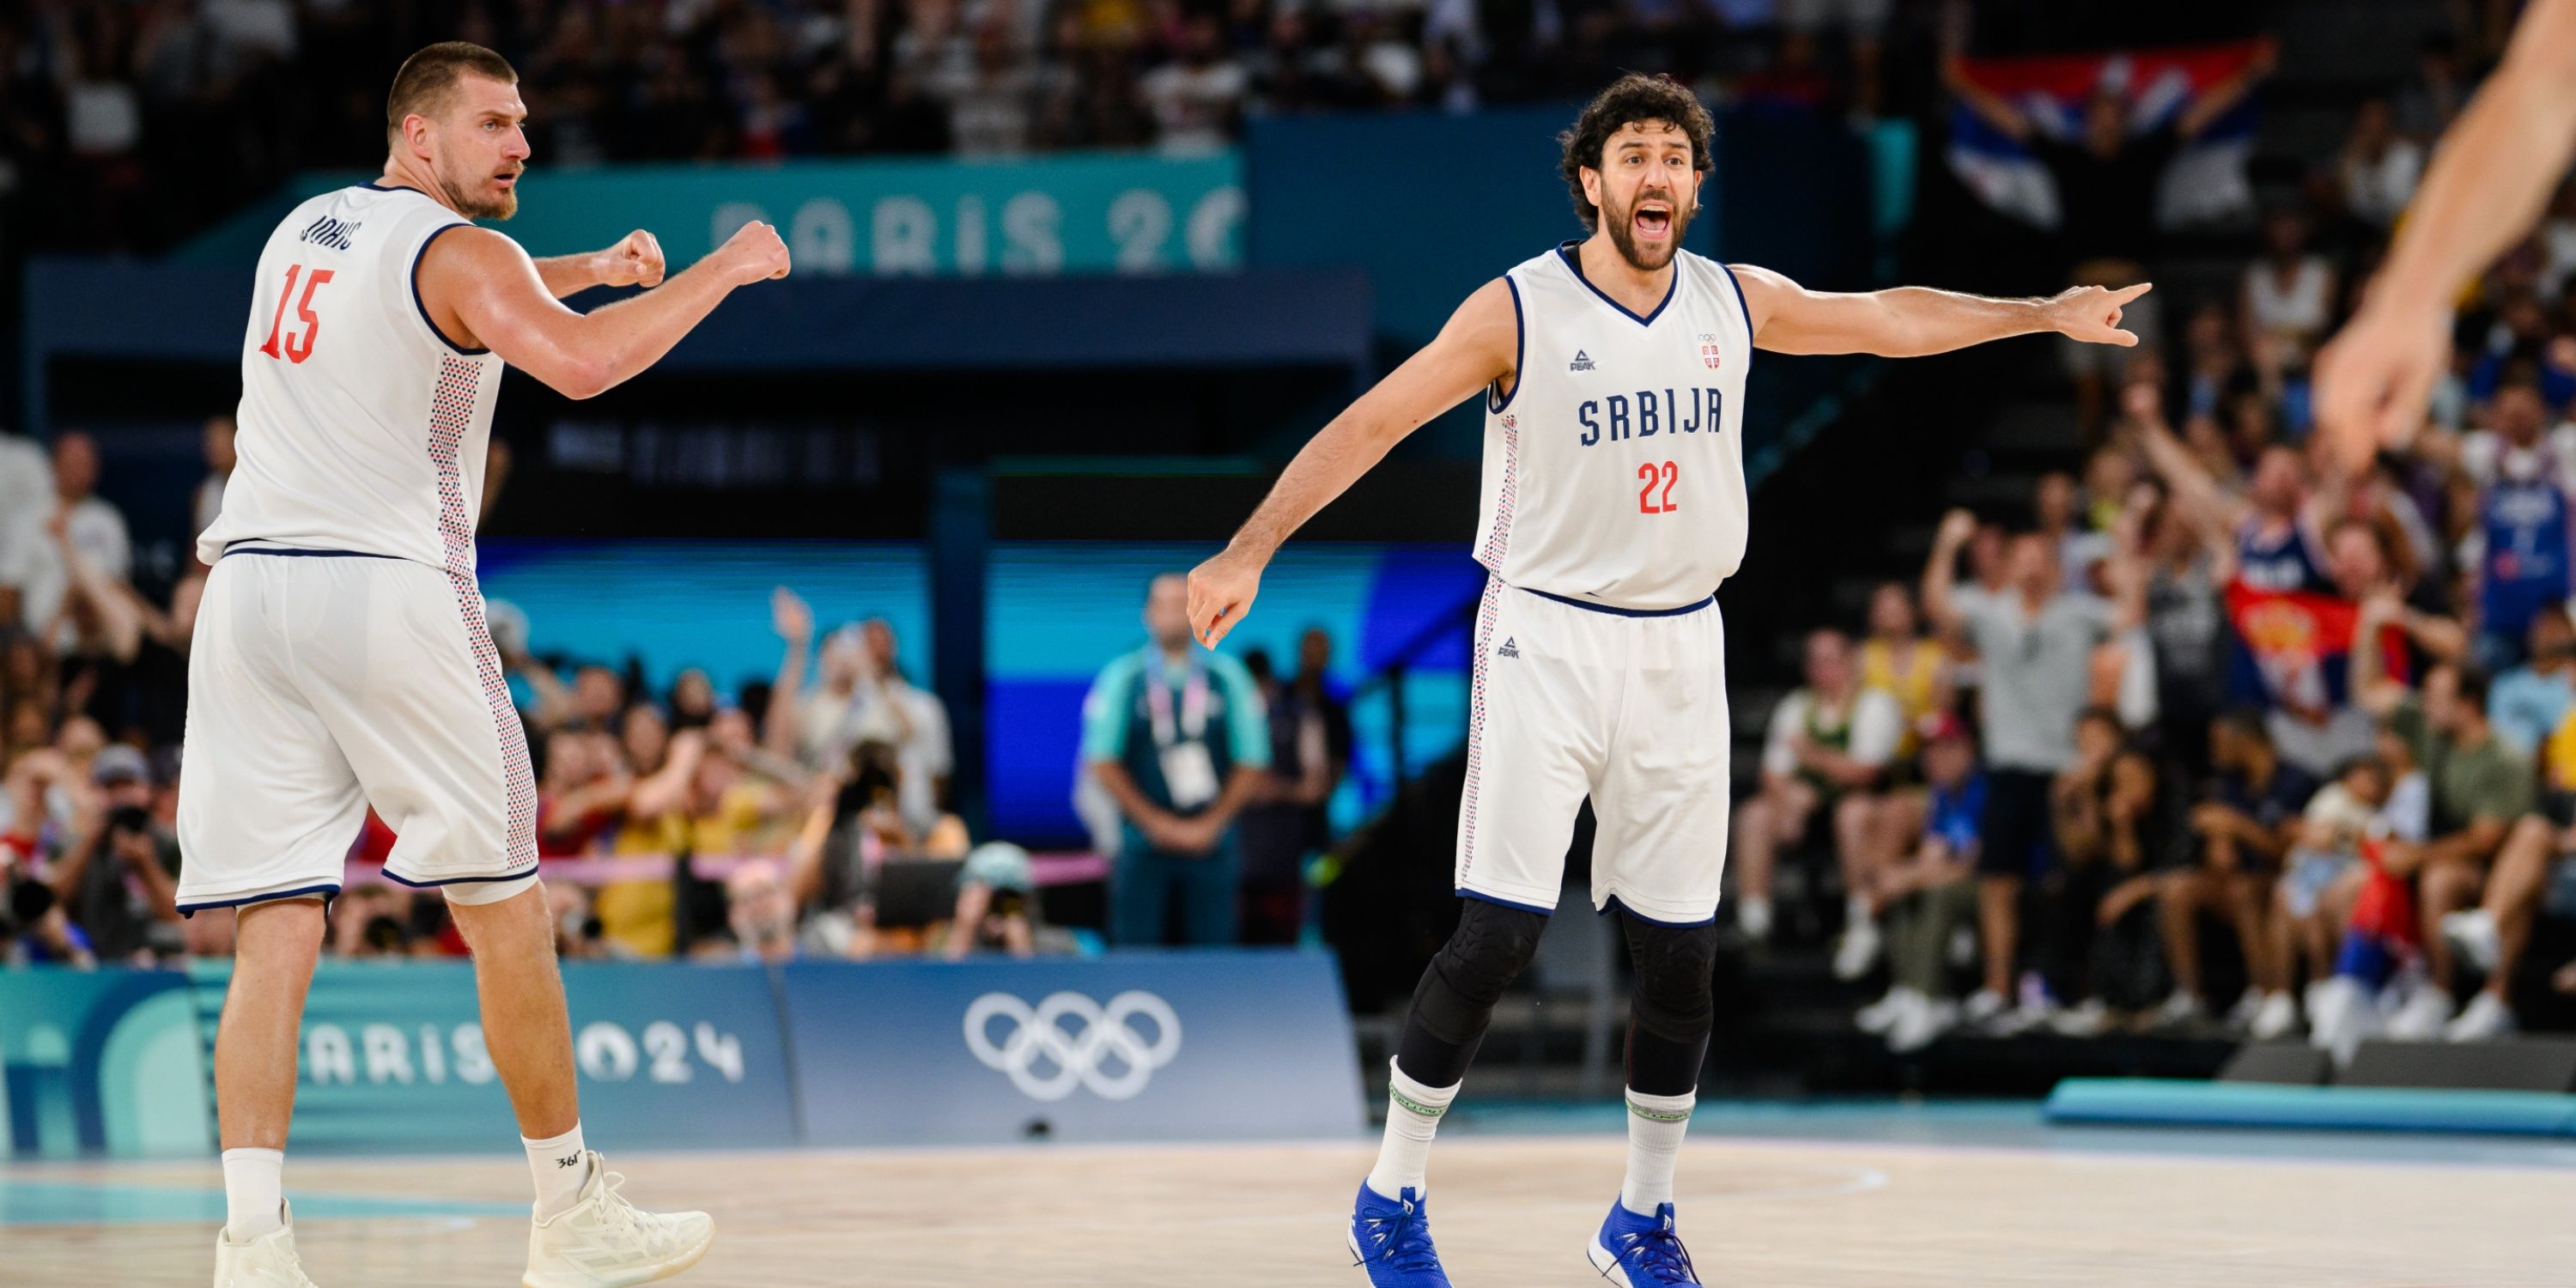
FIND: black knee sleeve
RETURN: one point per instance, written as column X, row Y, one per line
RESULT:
column 1672, row 1010
column 1455, row 1000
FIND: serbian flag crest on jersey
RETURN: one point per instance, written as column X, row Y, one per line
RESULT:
column 1710, row 350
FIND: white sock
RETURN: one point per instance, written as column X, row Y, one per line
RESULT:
column 1655, row 1127
column 561, row 1168
column 1412, row 1114
column 1856, row 911
column 254, row 1192
column 1753, row 916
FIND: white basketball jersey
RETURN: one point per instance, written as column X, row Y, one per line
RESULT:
column 361, row 428
column 1614, row 470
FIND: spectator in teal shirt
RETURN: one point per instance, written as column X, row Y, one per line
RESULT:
column 1178, row 736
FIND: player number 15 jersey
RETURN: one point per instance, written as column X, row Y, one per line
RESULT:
column 1614, row 469
column 362, row 429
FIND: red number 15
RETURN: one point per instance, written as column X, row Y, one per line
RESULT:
column 1652, row 474
column 298, row 348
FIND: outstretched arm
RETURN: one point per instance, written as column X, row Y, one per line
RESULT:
column 2486, row 185
column 1910, row 321
column 2222, row 98
column 481, row 288
column 1476, row 349
column 1984, row 102
column 1941, row 570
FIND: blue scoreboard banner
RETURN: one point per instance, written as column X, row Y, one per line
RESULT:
column 1077, row 212
column 669, row 1055
column 1128, row 1046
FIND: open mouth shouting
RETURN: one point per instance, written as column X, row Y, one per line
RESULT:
column 1652, row 220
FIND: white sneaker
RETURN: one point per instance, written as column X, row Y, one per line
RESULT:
column 2240, row 1017
column 1983, row 1006
column 2178, row 1011
column 2427, row 1010
column 2039, row 1013
column 1881, row 1015
column 1858, row 950
column 2486, row 1019
column 1753, row 918
column 1922, row 1024
column 265, row 1262
column 603, row 1241
column 2475, row 935
column 2275, row 1017
column 2085, row 1019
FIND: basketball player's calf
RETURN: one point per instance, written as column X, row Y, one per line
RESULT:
column 1671, row 1014
column 584, row 1234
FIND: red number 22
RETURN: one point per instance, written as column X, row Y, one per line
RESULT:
column 1666, row 474
column 297, row 348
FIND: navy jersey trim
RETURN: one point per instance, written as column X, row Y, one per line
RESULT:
column 415, row 292
column 1520, row 350
column 291, row 552
column 1740, row 302
column 326, row 891
column 1482, row 897
column 1616, row 611
column 390, row 187
column 1574, row 265
column 399, row 879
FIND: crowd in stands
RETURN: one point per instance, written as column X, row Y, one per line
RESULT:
column 125, row 125
column 804, row 813
column 2209, row 707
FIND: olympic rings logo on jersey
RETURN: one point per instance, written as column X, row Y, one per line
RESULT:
column 1106, row 1053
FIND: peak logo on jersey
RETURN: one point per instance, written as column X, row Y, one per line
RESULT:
column 1582, row 361
column 330, row 232
column 1508, row 649
column 1711, row 351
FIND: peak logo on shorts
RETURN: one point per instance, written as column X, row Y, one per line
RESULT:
column 1508, row 649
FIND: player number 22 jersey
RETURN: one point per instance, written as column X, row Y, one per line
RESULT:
column 362, row 428
column 1614, row 469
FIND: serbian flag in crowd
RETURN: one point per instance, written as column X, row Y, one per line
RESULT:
column 2298, row 644
column 2384, row 934
column 2207, row 178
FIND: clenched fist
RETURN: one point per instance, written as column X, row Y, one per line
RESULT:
column 755, row 253
column 634, row 261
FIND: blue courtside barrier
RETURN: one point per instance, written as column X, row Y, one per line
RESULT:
column 106, row 1062
column 393, row 1057
column 2239, row 1104
column 1131, row 1046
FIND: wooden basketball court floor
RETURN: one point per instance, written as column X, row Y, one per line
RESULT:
column 1889, row 1204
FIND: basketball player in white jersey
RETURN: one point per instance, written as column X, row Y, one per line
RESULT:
column 1614, row 503
column 341, row 658
column 2489, row 181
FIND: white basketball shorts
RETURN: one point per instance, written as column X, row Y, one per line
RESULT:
column 321, row 683
column 1573, row 700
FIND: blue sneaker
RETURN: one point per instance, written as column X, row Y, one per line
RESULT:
column 1642, row 1251
column 1391, row 1239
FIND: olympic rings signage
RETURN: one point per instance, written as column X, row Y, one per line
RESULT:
column 1104, row 1051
